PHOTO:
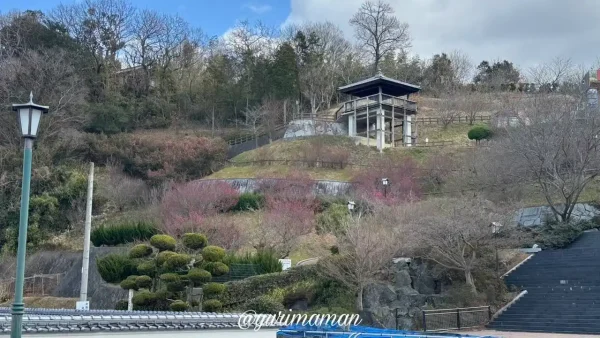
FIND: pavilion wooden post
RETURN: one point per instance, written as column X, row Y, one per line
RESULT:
column 355, row 121
column 379, row 123
column 368, row 126
column 404, row 122
column 393, row 123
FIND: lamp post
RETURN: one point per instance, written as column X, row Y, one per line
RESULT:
column 495, row 230
column 28, row 115
column 385, row 183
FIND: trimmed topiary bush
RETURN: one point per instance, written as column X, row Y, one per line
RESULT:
column 170, row 277
column 216, row 268
column 176, row 286
column 123, row 233
column 129, row 283
column 114, row 268
column 162, row 257
column 211, row 290
column 163, row 242
column 198, row 276
column 249, row 201
column 144, row 298
column 212, row 305
column 213, row 253
column 479, row 133
column 177, row 262
column 264, row 305
column 194, row 241
column 179, row 306
column 143, row 282
column 147, row 268
column 140, row 251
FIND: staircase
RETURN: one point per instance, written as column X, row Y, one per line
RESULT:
column 563, row 291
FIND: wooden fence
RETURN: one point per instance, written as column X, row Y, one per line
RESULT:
column 36, row 285
column 456, row 120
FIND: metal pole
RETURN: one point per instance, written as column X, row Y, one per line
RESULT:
column 18, row 307
column 86, row 237
column 424, row 322
column 458, row 318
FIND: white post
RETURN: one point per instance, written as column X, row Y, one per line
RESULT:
column 130, row 300
column 408, row 129
column 86, row 241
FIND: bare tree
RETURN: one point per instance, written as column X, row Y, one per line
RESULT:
column 462, row 66
column 455, row 233
column 448, row 108
column 254, row 116
column 379, row 30
column 549, row 76
column 367, row 246
column 473, row 103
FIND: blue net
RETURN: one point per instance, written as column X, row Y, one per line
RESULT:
column 333, row 331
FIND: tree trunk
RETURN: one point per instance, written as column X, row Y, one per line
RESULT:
column 359, row 299
column 470, row 281
column 213, row 121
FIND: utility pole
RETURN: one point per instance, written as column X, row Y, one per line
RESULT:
column 83, row 303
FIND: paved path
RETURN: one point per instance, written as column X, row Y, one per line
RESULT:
column 501, row 334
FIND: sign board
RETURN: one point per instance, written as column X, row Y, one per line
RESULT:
column 285, row 263
column 82, row 305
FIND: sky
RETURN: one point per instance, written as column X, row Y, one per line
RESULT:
column 524, row 32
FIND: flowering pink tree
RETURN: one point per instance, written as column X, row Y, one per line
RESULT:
column 289, row 212
column 187, row 205
column 402, row 180
column 282, row 225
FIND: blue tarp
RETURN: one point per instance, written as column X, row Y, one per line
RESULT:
column 331, row 331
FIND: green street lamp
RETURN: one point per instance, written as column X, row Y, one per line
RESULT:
column 29, row 115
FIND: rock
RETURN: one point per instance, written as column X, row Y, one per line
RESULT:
column 402, row 279
column 377, row 294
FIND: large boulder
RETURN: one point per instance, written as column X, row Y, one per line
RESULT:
column 398, row 304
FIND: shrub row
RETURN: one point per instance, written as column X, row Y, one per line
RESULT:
column 267, row 261
column 240, row 292
column 126, row 232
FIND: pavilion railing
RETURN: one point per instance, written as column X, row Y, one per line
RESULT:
column 374, row 100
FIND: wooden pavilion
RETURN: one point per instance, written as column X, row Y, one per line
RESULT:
column 379, row 111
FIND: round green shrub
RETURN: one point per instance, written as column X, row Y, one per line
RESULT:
column 249, row 201
column 129, row 283
column 143, row 282
column 176, row 286
column 212, row 305
column 177, row 261
column 211, row 290
column 216, row 268
column 478, row 133
column 140, row 251
column 264, row 305
column 147, row 268
column 144, row 298
column 194, row 241
column 162, row 257
column 170, row 277
column 163, row 242
column 179, row 306
column 213, row 253
column 198, row 276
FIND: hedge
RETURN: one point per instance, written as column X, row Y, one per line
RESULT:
column 127, row 232
column 212, row 305
column 242, row 291
column 114, row 268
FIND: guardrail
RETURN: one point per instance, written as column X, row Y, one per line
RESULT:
column 456, row 319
